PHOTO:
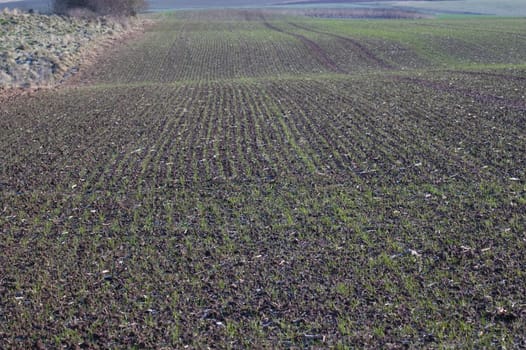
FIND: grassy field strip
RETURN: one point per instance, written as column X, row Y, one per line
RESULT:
column 269, row 54
column 263, row 145
column 463, row 136
column 231, row 160
column 364, row 54
column 221, row 166
column 467, row 136
column 483, row 129
column 200, row 142
column 428, row 42
column 193, row 140
column 314, row 49
column 166, row 159
column 179, row 148
column 134, row 156
column 255, row 148
column 422, row 116
column 388, row 151
column 313, row 134
column 512, row 71
column 246, row 144
column 299, row 142
column 287, row 159
column 465, row 144
column 238, row 158
column 359, row 119
column 519, row 26
column 63, row 155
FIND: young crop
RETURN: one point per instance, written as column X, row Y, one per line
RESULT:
column 244, row 180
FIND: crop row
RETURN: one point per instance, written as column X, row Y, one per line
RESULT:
column 197, row 52
column 428, row 44
column 162, row 207
column 199, row 132
column 262, row 214
column 257, row 44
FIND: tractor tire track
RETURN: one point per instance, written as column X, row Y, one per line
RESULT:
column 360, row 48
column 313, row 47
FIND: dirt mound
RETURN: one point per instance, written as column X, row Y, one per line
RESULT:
column 42, row 50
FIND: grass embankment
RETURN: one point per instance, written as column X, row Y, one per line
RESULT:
column 238, row 181
column 41, row 50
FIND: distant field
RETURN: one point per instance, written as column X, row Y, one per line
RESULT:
column 485, row 7
column 488, row 7
column 244, row 179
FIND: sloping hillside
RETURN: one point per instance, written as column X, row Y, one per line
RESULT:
column 37, row 50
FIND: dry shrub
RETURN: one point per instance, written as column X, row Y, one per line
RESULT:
column 99, row 7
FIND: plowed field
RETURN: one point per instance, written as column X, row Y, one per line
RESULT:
column 239, row 180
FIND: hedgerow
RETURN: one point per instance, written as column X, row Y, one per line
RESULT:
column 101, row 7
